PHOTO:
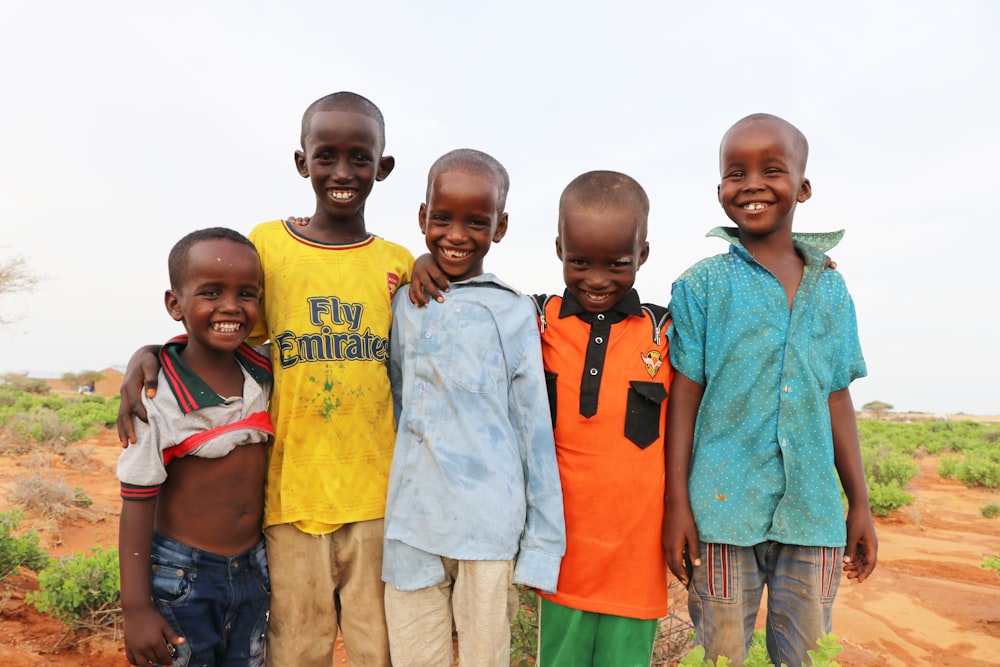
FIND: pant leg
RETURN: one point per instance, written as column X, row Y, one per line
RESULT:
column 566, row 636
column 624, row 642
column 481, row 604
column 358, row 573
column 420, row 624
column 246, row 616
column 303, row 620
column 723, row 600
column 802, row 585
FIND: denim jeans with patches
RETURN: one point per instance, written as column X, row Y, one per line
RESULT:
column 726, row 589
column 219, row 604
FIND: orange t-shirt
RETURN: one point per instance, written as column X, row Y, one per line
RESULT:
column 611, row 464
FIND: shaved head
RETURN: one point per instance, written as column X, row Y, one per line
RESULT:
column 343, row 101
column 799, row 142
column 607, row 190
column 475, row 163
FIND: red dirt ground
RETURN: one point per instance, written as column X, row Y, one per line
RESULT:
column 928, row 603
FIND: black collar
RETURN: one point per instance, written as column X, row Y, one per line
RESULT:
column 625, row 306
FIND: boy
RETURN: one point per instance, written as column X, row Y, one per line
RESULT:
column 203, row 447
column 474, row 500
column 764, row 341
column 327, row 310
column 605, row 358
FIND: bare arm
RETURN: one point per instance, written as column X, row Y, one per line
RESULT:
column 140, row 376
column 147, row 633
column 680, row 535
column 861, row 552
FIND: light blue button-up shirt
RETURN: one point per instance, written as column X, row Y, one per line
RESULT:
column 762, row 463
column 474, row 473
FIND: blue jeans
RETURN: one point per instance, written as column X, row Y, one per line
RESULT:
column 725, row 593
column 217, row 603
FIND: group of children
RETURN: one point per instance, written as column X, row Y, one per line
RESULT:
column 434, row 437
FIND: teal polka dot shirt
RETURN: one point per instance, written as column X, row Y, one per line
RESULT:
column 762, row 464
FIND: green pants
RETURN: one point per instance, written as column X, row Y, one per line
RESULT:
column 573, row 638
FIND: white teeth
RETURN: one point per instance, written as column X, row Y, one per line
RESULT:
column 338, row 194
column 754, row 206
column 226, row 327
column 597, row 297
column 455, row 254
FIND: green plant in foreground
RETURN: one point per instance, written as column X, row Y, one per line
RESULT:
column 17, row 551
column 990, row 510
column 827, row 648
column 83, row 591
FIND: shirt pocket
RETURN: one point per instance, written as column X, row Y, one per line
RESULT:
column 475, row 360
column 643, row 413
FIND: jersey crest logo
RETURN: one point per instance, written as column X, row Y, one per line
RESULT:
column 392, row 282
column 653, row 360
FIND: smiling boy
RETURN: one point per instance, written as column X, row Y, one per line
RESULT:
column 195, row 581
column 761, row 423
column 327, row 310
column 474, row 500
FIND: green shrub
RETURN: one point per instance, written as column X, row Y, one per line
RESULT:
column 17, row 551
column 83, row 591
column 992, row 563
column 884, row 498
column 524, row 629
column 979, row 470
column 948, row 466
column 990, row 510
column 827, row 648
column 44, row 426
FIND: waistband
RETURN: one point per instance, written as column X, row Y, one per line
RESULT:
column 167, row 547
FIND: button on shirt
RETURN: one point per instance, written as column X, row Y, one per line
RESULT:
column 762, row 462
column 474, row 473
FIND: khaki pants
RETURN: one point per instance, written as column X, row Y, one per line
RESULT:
column 319, row 582
column 477, row 596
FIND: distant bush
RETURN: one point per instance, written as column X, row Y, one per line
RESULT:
column 54, row 420
column 884, row 498
column 21, row 382
column 990, row 510
column 51, row 498
column 992, row 563
column 17, row 551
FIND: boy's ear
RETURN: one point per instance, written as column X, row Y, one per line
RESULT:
column 422, row 218
column 559, row 248
column 385, row 166
column 501, row 229
column 718, row 194
column 300, row 164
column 644, row 253
column 173, row 303
column 805, row 191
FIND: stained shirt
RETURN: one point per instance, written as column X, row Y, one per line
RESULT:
column 327, row 309
column 762, row 461
column 193, row 420
column 474, row 473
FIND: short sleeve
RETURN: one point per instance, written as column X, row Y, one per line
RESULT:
column 687, row 331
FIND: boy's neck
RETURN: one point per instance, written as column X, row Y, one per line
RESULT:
column 775, row 247
column 323, row 227
column 219, row 370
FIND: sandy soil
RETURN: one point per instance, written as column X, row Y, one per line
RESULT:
column 928, row 603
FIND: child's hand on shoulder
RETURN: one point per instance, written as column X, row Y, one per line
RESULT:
column 297, row 221
column 428, row 282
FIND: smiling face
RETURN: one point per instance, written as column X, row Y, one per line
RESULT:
column 460, row 220
column 601, row 252
column 342, row 157
column 763, row 177
column 218, row 297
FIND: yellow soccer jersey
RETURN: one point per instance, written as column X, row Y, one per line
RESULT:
column 327, row 312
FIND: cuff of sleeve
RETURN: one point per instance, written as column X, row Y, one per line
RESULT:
column 537, row 569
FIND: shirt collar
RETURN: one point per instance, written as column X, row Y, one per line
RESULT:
column 812, row 244
column 625, row 306
column 191, row 392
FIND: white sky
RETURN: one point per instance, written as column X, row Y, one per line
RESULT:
column 124, row 125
